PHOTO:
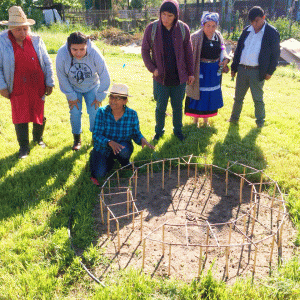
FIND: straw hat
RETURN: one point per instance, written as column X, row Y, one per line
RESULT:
column 17, row 17
column 120, row 89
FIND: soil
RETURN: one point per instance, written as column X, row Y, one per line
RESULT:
column 185, row 209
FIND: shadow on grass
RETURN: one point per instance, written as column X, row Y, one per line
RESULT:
column 196, row 142
column 43, row 182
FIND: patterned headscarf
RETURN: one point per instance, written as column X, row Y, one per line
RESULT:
column 213, row 16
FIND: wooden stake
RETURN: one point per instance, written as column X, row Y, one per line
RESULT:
column 207, row 238
column 135, row 185
column 133, row 217
column 245, row 229
column 101, row 207
column 251, row 196
column 241, row 190
column 118, row 178
column 196, row 167
column 169, row 271
column 170, row 169
column 144, row 246
column 200, row 262
column 205, row 168
column 151, row 164
column 163, row 175
column 272, row 247
column 188, row 169
column 226, row 180
column 109, row 187
column 274, row 194
column 228, row 250
column 128, row 196
column 142, row 225
column 148, row 178
column 254, row 262
column 163, row 240
column 280, row 236
column 253, row 218
column 108, row 222
column 260, row 184
column 118, row 233
column 178, row 172
column 211, row 173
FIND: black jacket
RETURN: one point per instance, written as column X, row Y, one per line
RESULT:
column 269, row 52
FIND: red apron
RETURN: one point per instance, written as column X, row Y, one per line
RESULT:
column 29, row 84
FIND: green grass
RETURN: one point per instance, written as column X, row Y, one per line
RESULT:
column 39, row 193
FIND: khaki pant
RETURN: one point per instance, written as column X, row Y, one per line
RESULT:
column 249, row 78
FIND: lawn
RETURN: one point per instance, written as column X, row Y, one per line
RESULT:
column 39, row 193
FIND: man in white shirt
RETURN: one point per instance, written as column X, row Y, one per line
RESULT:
column 255, row 60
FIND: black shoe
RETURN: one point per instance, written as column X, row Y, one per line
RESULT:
column 77, row 142
column 156, row 137
column 37, row 133
column 235, row 122
column 23, row 152
column 41, row 143
column 180, row 136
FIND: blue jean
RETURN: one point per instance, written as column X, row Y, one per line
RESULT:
column 102, row 162
column 75, row 114
column 162, row 94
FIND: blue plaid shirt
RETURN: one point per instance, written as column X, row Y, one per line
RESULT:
column 106, row 128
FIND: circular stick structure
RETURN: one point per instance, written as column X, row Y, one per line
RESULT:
column 258, row 219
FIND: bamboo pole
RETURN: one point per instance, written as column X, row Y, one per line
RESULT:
column 108, row 222
column 254, row 262
column 178, row 172
column 163, row 240
column 261, row 180
column 196, row 167
column 118, row 178
column 200, row 262
column 144, row 247
column 142, row 225
column 226, row 180
column 169, row 270
column 151, row 164
column 170, row 169
column 118, row 233
column 148, row 178
column 163, row 175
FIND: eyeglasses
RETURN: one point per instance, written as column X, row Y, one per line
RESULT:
column 116, row 98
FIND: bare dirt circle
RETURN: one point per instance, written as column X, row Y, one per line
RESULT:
column 181, row 217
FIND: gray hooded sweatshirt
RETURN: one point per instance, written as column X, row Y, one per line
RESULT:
column 82, row 75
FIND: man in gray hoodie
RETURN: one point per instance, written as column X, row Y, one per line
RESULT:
column 82, row 73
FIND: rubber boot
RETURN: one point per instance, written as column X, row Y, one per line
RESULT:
column 37, row 132
column 22, row 136
column 77, row 142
